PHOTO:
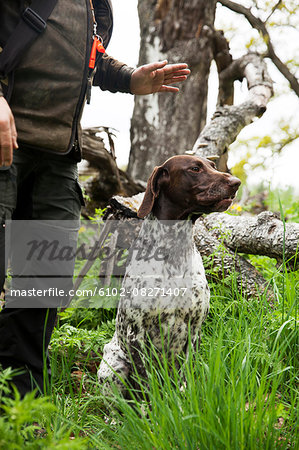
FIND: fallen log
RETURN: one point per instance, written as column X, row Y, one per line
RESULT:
column 106, row 178
column 221, row 263
column 225, row 262
column 264, row 234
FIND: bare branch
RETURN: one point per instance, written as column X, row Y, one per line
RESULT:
column 274, row 9
column 223, row 60
column 259, row 25
column 228, row 121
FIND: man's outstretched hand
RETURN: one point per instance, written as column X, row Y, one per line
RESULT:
column 157, row 77
column 8, row 134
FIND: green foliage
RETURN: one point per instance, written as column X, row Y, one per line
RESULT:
column 239, row 169
column 87, row 318
column 69, row 337
column 257, row 154
column 30, row 422
column 278, row 22
column 287, row 197
column 237, row 391
column 233, row 393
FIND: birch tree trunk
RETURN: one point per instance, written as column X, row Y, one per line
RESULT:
column 166, row 125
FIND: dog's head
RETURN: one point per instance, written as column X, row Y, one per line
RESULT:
column 188, row 184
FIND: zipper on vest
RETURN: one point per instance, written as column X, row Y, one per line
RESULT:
column 88, row 93
column 84, row 83
column 88, row 72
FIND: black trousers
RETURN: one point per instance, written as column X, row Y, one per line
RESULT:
column 25, row 336
column 38, row 186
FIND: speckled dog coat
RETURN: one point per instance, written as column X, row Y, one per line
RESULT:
column 167, row 297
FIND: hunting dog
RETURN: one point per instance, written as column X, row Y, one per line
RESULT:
column 167, row 296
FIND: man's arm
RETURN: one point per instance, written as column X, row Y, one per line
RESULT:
column 113, row 75
column 8, row 133
column 148, row 79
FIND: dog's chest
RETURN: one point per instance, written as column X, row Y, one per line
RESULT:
column 165, row 285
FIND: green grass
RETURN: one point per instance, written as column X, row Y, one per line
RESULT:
column 239, row 390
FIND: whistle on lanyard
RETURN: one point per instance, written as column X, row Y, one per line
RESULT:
column 97, row 46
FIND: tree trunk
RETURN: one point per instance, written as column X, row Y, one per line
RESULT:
column 166, row 125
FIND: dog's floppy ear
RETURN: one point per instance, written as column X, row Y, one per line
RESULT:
column 151, row 193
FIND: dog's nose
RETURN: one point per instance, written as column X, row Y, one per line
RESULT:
column 234, row 182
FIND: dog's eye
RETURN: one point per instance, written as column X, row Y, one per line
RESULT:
column 195, row 169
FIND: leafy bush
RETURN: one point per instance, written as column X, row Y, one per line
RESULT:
column 69, row 337
column 31, row 422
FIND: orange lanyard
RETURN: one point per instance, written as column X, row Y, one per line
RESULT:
column 97, row 45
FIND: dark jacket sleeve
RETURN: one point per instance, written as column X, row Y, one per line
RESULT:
column 113, row 75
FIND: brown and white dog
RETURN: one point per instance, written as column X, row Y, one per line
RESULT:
column 182, row 187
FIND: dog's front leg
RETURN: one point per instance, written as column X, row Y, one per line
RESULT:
column 115, row 366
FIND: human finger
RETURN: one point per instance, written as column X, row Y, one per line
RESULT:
column 172, row 68
column 152, row 67
column 177, row 73
column 14, row 133
column 174, row 80
column 7, row 133
column 165, row 88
